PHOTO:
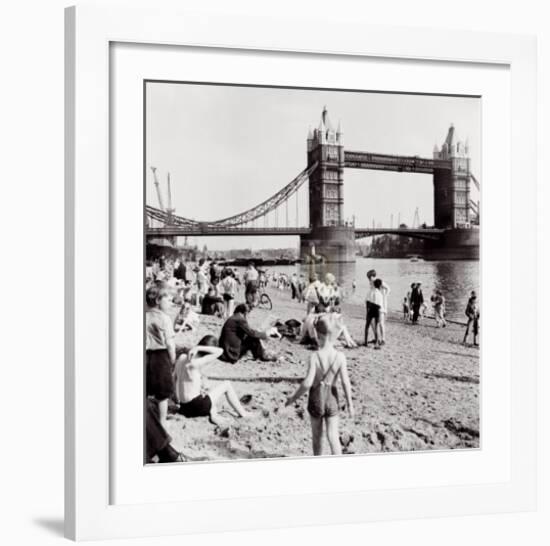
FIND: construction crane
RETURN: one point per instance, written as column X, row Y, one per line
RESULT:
column 416, row 219
column 157, row 186
column 169, row 210
column 169, row 194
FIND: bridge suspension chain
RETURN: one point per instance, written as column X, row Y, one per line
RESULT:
column 263, row 209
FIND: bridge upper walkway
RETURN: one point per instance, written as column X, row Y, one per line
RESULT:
column 216, row 231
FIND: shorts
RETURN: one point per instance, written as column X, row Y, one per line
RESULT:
column 200, row 406
column 373, row 311
column 228, row 297
column 158, row 374
column 251, row 287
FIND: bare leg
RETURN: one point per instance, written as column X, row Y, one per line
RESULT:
column 163, row 411
column 214, row 417
column 382, row 326
column 333, row 435
column 467, row 331
column 375, row 330
column 344, row 332
column 317, row 435
column 225, row 388
column 231, row 307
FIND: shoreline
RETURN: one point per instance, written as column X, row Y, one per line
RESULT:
column 419, row 392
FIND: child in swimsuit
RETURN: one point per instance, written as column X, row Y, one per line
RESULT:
column 192, row 401
column 325, row 366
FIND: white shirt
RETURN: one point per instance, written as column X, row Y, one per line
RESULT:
column 384, row 291
column 378, row 299
column 229, row 285
column 251, row 274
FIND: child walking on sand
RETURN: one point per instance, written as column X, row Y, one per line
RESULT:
column 406, row 309
column 325, row 366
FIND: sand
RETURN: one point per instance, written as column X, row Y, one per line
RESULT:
column 420, row 392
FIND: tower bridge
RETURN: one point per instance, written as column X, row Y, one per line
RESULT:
column 323, row 229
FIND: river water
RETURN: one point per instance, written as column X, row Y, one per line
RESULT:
column 455, row 278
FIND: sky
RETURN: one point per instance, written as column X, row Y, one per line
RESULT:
column 228, row 148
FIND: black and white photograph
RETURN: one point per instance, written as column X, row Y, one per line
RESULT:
column 312, row 272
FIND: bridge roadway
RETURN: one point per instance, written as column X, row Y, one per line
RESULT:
column 213, row 231
column 398, row 163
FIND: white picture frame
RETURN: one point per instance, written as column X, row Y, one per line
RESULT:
column 92, row 511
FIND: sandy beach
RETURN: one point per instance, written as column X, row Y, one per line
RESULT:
column 421, row 391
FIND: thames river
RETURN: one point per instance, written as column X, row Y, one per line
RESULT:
column 456, row 279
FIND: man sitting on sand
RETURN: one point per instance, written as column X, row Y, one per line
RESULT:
column 237, row 338
column 212, row 304
column 188, row 379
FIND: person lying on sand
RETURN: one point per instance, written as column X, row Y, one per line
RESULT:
column 325, row 366
column 188, row 380
column 186, row 319
column 308, row 332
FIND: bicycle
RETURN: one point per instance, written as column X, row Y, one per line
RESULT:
column 262, row 301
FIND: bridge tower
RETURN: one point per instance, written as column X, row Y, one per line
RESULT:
column 326, row 184
column 330, row 236
column 452, row 186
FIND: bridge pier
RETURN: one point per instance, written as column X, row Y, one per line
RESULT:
column 455, row 244
column 326, row 246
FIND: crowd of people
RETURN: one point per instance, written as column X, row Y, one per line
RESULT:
column 174, row 373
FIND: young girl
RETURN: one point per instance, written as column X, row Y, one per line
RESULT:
column 193, row 402
column 325, row 366
column 312, row 293
column 406, row 309
column 439, row 309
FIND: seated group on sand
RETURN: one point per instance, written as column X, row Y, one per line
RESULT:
column 175, row 373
